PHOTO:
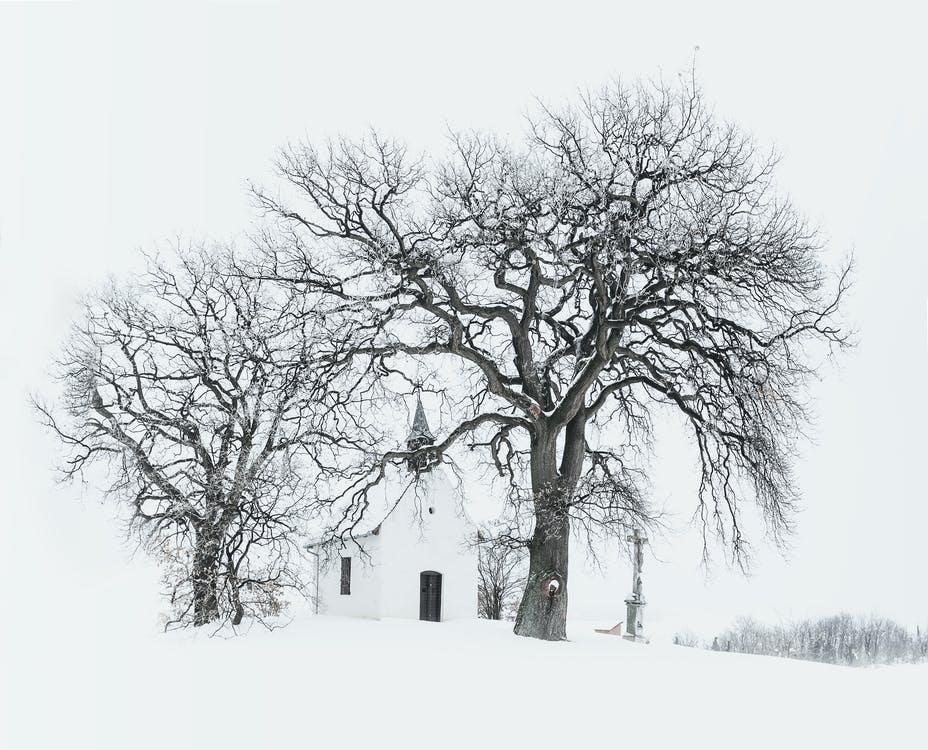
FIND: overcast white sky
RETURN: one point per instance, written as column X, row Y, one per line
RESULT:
column 123, row 127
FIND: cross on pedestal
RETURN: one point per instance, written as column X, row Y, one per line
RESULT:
column 634, row 620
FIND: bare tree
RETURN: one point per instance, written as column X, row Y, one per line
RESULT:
column 630, row 252
column 202, row 401
column 501, row 572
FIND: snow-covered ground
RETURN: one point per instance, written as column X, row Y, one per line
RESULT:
column 343, row 683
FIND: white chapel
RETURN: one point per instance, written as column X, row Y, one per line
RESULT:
column 417, row 561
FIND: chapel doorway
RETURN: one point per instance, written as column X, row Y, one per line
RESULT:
column 430, row 596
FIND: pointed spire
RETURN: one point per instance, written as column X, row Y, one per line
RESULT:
column 420, row 432
column 420, row 435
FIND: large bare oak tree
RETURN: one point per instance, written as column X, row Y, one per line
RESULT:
column 629, row 252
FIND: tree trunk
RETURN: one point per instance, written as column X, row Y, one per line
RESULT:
column 205, row 576
column 543, row 609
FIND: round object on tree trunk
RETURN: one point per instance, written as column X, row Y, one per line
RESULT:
column 551, row 587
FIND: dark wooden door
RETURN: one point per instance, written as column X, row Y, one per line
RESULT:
column 430, row 596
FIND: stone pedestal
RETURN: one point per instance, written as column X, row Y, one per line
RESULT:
column 634, row 620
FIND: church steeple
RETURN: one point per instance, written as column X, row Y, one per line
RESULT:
column 420, row 435
column 420, row 432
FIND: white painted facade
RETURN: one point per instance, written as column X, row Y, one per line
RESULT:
column 427, row 530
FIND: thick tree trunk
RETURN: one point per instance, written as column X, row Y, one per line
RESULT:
column 205, row 577
column 543, row 610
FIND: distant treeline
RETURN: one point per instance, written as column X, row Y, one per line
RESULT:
column 841, row 639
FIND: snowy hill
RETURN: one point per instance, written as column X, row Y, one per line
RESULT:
column 344, row 683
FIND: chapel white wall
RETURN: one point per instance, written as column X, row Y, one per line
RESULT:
column 415, row 540
column 365, row 597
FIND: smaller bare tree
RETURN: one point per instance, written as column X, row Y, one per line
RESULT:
column 501, row 573
column 201, row 393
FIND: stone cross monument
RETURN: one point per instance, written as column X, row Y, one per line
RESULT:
column 635, row 602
